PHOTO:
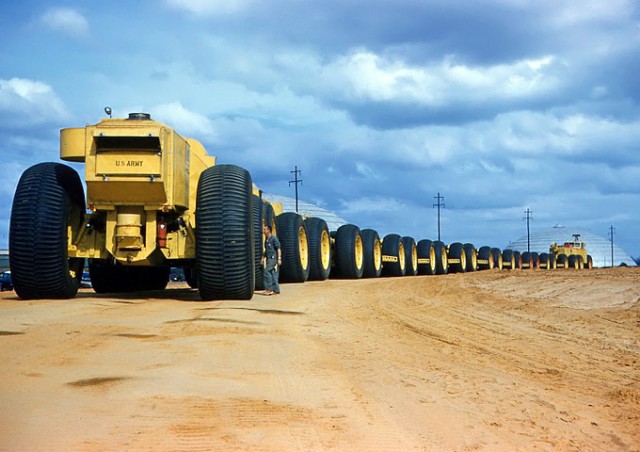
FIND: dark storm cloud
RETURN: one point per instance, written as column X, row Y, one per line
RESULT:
column 398, row 115
column 478, row 31
column 482, row 32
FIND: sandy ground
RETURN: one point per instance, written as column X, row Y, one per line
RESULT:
column 522, row 360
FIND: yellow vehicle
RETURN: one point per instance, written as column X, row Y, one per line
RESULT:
column 572, row 254
column 154, row 200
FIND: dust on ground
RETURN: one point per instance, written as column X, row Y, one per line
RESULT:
column 493, row 360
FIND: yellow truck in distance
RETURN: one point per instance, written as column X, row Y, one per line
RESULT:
column 572, row 254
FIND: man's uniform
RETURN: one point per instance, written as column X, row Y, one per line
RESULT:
column 271, row 247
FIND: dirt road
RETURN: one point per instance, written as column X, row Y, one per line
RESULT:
column 523, row 360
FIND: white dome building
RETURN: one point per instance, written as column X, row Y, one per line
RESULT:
column 598, row 247
column 307, row 209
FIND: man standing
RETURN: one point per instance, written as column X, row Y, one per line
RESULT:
column 273, row 256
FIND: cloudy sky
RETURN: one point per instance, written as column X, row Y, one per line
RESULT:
column 499, row 105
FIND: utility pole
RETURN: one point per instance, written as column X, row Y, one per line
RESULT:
column 612, row 231
column 528, row 217
column 439, row 204
column 296, row 181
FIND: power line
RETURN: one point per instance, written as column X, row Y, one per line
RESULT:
column 528, row 217
column 439, row 205
column 612, row 232
column 296, row 181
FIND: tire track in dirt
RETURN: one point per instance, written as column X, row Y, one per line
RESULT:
column 513, row 348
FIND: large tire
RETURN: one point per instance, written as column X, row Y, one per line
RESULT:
column 411, row 256
column 349, row 257
column 485, row 258
column 442, row 258
column 471, row 255
column 426, row 257
column 497, row 258
column 269, row 217
column 49, row 200
column 508, row 260
column 393, row 256
column 457, row 258
column 562, row 261
column 535, row 257
column 190, row 276
column 319, row 248
column 157, row 277
column 589, row 264
column 543, row 261
column 258, row 242
column 575, row 262
column 224, row 234
column 147, row 278
column 293, row 237
column 372, row 246
column 527, row 260
column 517, row 256
column 108, row 276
